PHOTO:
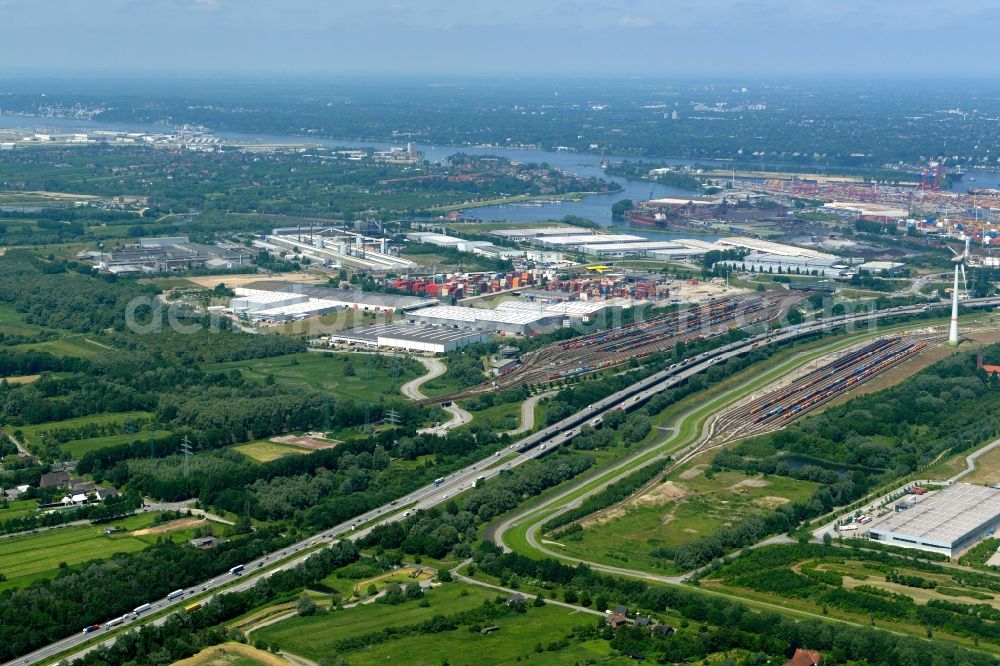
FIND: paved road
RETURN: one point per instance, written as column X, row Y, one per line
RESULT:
column 411, row 389
column 528, row 412
column 528, row 448
column 435, row 368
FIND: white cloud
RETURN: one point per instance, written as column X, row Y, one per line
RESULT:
column 634, row 22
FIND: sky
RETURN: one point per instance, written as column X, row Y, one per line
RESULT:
column 666, row 38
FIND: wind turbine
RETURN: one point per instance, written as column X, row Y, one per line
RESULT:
column 959, row 260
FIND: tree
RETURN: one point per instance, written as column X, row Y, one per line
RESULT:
column 414, row 591
column 306, row 606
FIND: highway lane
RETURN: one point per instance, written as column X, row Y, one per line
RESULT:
column 528, row 448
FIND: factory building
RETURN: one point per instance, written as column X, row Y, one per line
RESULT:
column 770, row 247
column 352, row 299
column 522, row 235
column 411, row 338
column 441, row 240
column 571, row 310
column 274, row 301
column 579, row 240
column 883, row 267
column 949, row 521
column 782, row 263
column 635, row 249
column 334, row 246
column 506, row 322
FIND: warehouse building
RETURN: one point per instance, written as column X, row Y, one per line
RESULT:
column 521, row 235
column 949, row 521
column 351, row 299
column 507, row 322
column 410, row 338
column 571, row 310
column 442, row 240
column 634, row 249
column 579, row 240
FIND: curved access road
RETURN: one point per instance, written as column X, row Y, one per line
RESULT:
column 528, row 412
column 411, row 389
column 528, row 448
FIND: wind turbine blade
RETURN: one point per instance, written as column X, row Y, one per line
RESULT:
column 963, row 280
column 952, row 250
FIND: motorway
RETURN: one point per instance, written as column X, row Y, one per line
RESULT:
column 530, row 447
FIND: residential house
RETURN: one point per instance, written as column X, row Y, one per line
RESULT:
column 54, row 480
column 804, row 658
column 617, row 620
column 104, row 493
column 78, row 498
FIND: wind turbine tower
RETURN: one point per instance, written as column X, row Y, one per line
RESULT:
column 959, row 260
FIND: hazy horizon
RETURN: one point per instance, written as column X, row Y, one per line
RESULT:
column 520, row 38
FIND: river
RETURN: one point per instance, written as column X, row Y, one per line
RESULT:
column 596, row 207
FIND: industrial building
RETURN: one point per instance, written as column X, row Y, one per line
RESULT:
column 411, row 338
column 579, row 240
column 352, row 299
column 334, row 247
column 522, row 235
column 883, row 267
column 164, row 255
column 635, row 249
column 949, row 521
column 572, row 310
column 782, row 263
column 441, row 240
column 507, row 322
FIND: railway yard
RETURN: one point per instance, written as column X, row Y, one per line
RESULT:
column 608, row 349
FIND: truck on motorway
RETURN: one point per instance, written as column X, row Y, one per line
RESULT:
column 91, row 628
column 238, row 569
column 438, row 481
column 176, row 594
column 115, row 622
column 139, row 610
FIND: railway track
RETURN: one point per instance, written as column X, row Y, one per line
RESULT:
column 611, row 348
column 777, row 408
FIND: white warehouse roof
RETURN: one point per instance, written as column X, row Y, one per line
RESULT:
column 471, row 315
column 591, row 239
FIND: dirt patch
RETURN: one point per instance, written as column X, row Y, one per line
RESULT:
column 750, row 483
column 241, row 280
column 172, row 526
column 608, row 516
column 771, row 501
column 227, row 653
column 663, row 493
column 693, row 472
column 306, row 442
column 23, row 379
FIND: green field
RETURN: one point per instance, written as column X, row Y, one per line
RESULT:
column 265, row 451
column 33, row 556
column 314, row 637
column 677, row 512
column 77, row 345
column 326, row 372
column 11, row 323
column 76, row 448
column 514, row 642
column 18, row 509
column 498, row 417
